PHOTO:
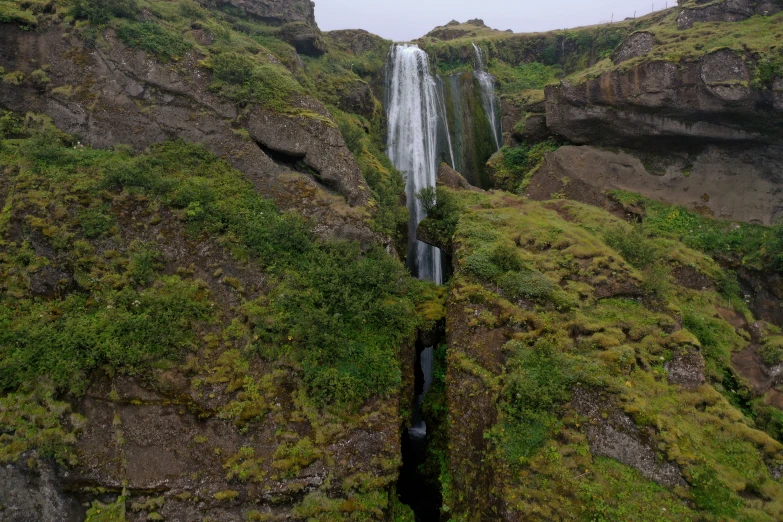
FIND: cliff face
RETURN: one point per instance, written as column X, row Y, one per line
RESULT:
column 274, row 12
column 688, row 100
column 185, row 419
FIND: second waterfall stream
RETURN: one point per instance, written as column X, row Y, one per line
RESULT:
column 488, row 98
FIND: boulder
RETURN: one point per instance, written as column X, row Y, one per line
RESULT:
column 638, row 44
column 448, row 177
column 725, row 75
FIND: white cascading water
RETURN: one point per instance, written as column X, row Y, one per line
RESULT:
column 414, row 121
column 488, row 98
column 416, row 118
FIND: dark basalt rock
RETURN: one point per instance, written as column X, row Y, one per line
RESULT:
column 726, row 11
column 275, row 12
column 686, row 368
column 659, row 103
column 305, row 38
column 611, row 433
column 448, row 177
column 638, row 44
column 738, row 183
column 33, row 495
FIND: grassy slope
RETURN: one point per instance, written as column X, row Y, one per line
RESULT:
column 757, row 38
column 324, row 325
column 534, row 271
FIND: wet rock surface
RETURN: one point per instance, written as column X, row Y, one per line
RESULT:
column 35, row 495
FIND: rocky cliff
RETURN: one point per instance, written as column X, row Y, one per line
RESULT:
column 177, row 171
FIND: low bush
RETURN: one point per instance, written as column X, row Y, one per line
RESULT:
column 101, row 11
column 635, row 246
column 513, row 167
column 152, row 37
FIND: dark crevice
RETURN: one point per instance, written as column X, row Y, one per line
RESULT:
column 417, row 486
column 295, row 162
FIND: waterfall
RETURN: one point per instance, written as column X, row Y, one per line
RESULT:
column 415, row 124
column 416, row 113
column 488, row 98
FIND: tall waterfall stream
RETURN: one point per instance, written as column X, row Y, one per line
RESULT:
column 418, row 139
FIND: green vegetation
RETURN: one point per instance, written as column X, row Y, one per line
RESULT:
column 36, row 420
column 164, row 44
column 386, row 183
column 755, row 38
column 337, row 314
column 756, row 246
column 525, row 76
column 512, row 168
column 114, row 512
column 526, row 356
column 25, row 14
column 99, row 12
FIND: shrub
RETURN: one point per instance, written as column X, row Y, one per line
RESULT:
column 427, row 197
column 537, row 383
column 101, row 11
column 95, row 222
column 233, row 67
column 635, row 247
column 129, row 333
column 514, row 166
column 166, row 45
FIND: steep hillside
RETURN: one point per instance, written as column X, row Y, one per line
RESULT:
column 587, row 372
column 176, row 338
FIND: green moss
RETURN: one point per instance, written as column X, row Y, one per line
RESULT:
column 537, row 445
column 226, row 495
column 35, row 420
column 512, row 168
column 114, row 512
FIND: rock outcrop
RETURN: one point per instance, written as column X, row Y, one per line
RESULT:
column 112, row 95
column 659, row 102
column 273, row 12
column 638, row 44
column 723, row 11
column 707, row 182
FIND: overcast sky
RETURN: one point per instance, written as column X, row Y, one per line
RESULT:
column 402, row 20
